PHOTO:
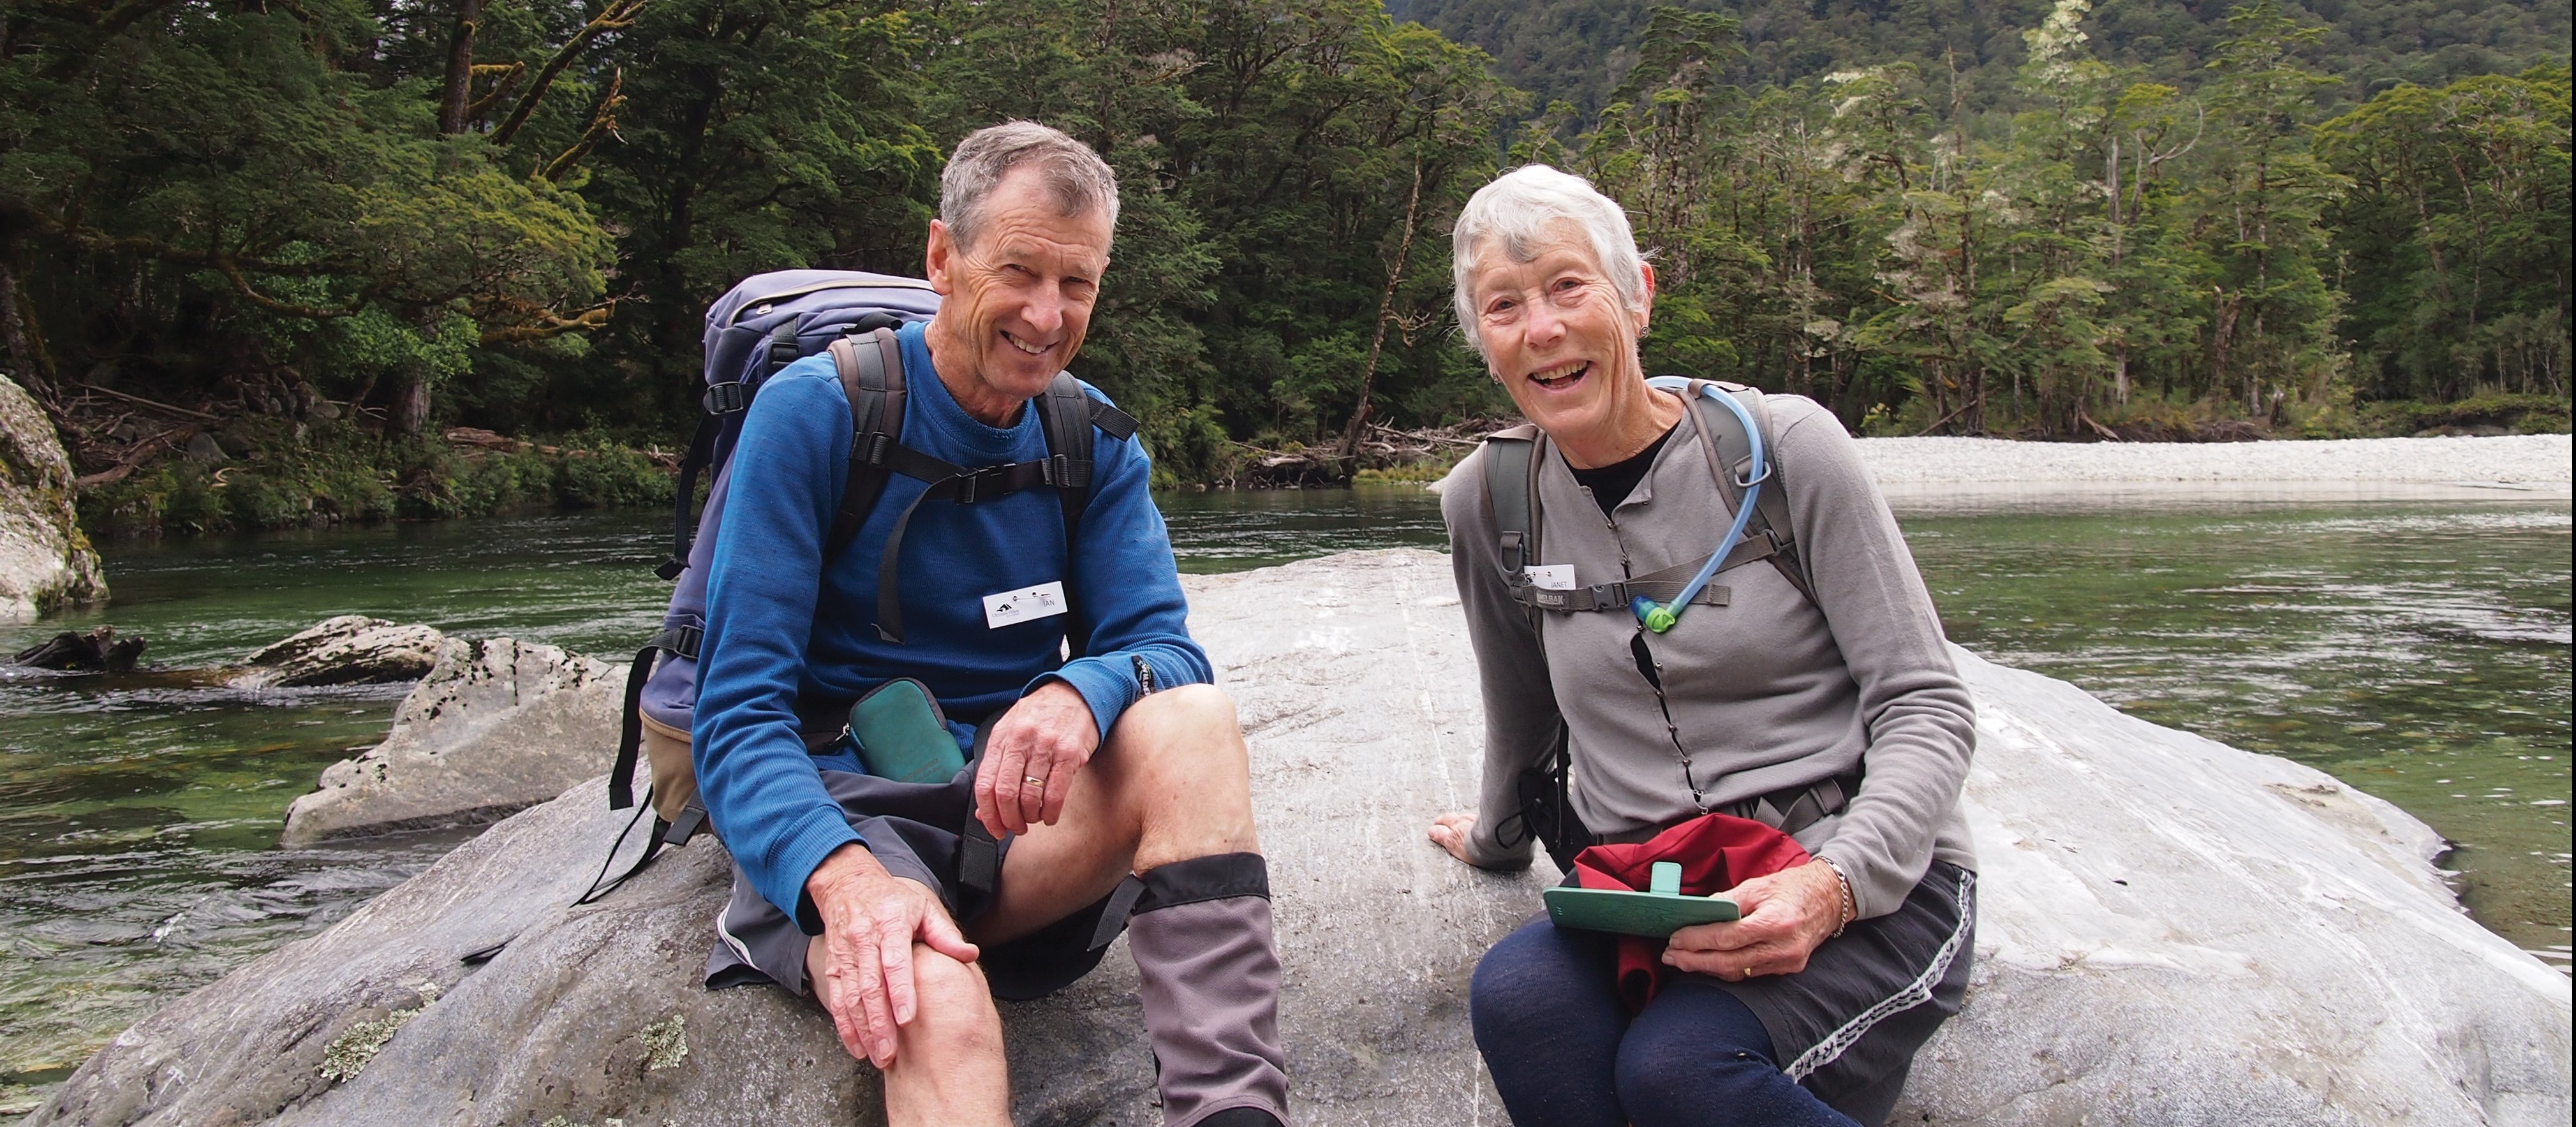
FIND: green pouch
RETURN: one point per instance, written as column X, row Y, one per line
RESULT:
column 1656, row 914
column 902, row 735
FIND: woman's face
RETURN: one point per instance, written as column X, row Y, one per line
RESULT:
column 1558, row 338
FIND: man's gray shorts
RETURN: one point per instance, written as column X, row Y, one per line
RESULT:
column 914, row 830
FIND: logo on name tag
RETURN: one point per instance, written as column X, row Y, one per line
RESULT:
column 1551, row 577
column 1046, row 600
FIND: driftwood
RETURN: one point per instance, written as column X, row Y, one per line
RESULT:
column 99, row 651
column 1380, row 447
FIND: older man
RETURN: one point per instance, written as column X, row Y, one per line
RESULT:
column 1115, row 783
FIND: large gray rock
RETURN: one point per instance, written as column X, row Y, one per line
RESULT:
column 496, row 727
column 2173, row 932
column 350, row 649
column 45, row 561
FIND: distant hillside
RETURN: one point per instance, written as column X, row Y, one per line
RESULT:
column 1578, row 50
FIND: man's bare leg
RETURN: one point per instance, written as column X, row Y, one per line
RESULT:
column 1173, row 783
column 1169, row 799
column 948, row 1069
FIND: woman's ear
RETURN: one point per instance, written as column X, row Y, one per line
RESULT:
column 1646, row 300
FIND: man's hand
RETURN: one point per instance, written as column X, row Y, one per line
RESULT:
column 1449, row 831
column 1031, row 757
column 1786, row 915
column 870, row 919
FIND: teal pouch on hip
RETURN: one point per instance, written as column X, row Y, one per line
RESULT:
column 902, row 735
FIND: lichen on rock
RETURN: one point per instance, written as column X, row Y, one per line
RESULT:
column 666, row 1043
column 348, row 1054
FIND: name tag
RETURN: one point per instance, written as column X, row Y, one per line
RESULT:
column 1551, row 577
column 1046, row 600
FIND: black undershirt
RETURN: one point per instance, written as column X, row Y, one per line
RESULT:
column 1613, row 483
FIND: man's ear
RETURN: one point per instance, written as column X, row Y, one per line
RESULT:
column 937, row 257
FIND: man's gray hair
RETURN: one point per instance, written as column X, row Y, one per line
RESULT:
column 1518, row 212
column 1080, row 181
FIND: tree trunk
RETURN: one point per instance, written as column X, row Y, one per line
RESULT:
column 459, row 89
column 1377, row 338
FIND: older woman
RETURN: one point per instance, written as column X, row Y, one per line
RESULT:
column 1818, row 699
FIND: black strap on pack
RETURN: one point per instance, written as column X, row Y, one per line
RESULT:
column 873, row 379
column 1546, row 813
column 680, row 640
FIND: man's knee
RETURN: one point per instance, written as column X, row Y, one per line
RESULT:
column 955, row 1006
column 1184, row 738
column 1183, row 714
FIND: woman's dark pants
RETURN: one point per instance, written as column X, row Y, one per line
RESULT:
column 1564, row 1051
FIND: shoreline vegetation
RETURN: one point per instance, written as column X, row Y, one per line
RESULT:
column 258, row 472
column 257, row 262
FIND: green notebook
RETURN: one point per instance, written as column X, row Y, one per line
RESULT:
column 1657, row 913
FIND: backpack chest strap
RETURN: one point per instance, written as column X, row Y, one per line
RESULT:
column 1661, row 586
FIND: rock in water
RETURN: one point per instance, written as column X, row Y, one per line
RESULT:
column 498, row 726
column 2172, row 931
column 45, row 560
column 348, row 650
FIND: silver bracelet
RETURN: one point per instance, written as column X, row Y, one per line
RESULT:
column 1851, row 901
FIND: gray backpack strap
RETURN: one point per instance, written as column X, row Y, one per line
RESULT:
column 1511, row 497
column 1730, row 453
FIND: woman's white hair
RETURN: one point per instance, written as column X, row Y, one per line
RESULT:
column 1517, row 211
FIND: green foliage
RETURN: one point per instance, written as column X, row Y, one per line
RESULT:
column 2454, row 239
column 294, row 476
column 2019, row 217
column 1577, row 50
column 1866, row 240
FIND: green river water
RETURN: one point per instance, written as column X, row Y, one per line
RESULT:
column 2416, row 649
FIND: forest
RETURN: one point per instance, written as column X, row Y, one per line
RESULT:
column 270, row 262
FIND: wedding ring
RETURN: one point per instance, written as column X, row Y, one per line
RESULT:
column 1033, row 779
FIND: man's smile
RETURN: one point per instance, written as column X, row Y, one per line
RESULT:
column 1024, row 346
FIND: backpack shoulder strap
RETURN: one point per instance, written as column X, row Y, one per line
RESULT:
column 1511, row 495
column 1734, row 453
column 871, row 371
column 1067, row 415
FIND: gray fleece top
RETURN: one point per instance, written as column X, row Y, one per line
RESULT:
column 1766, row 692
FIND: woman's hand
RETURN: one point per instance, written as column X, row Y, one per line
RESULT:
column 1449, row 831
column 1786, row 915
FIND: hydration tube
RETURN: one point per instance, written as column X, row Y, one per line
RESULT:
column 1660, row 618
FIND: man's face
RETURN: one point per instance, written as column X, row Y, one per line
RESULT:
column 1017, row 302
column 1557, row 336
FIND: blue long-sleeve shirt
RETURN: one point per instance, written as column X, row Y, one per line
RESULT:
column 776, row 639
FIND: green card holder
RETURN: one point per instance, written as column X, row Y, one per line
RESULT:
column 1656, row 913
column 902, row 735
